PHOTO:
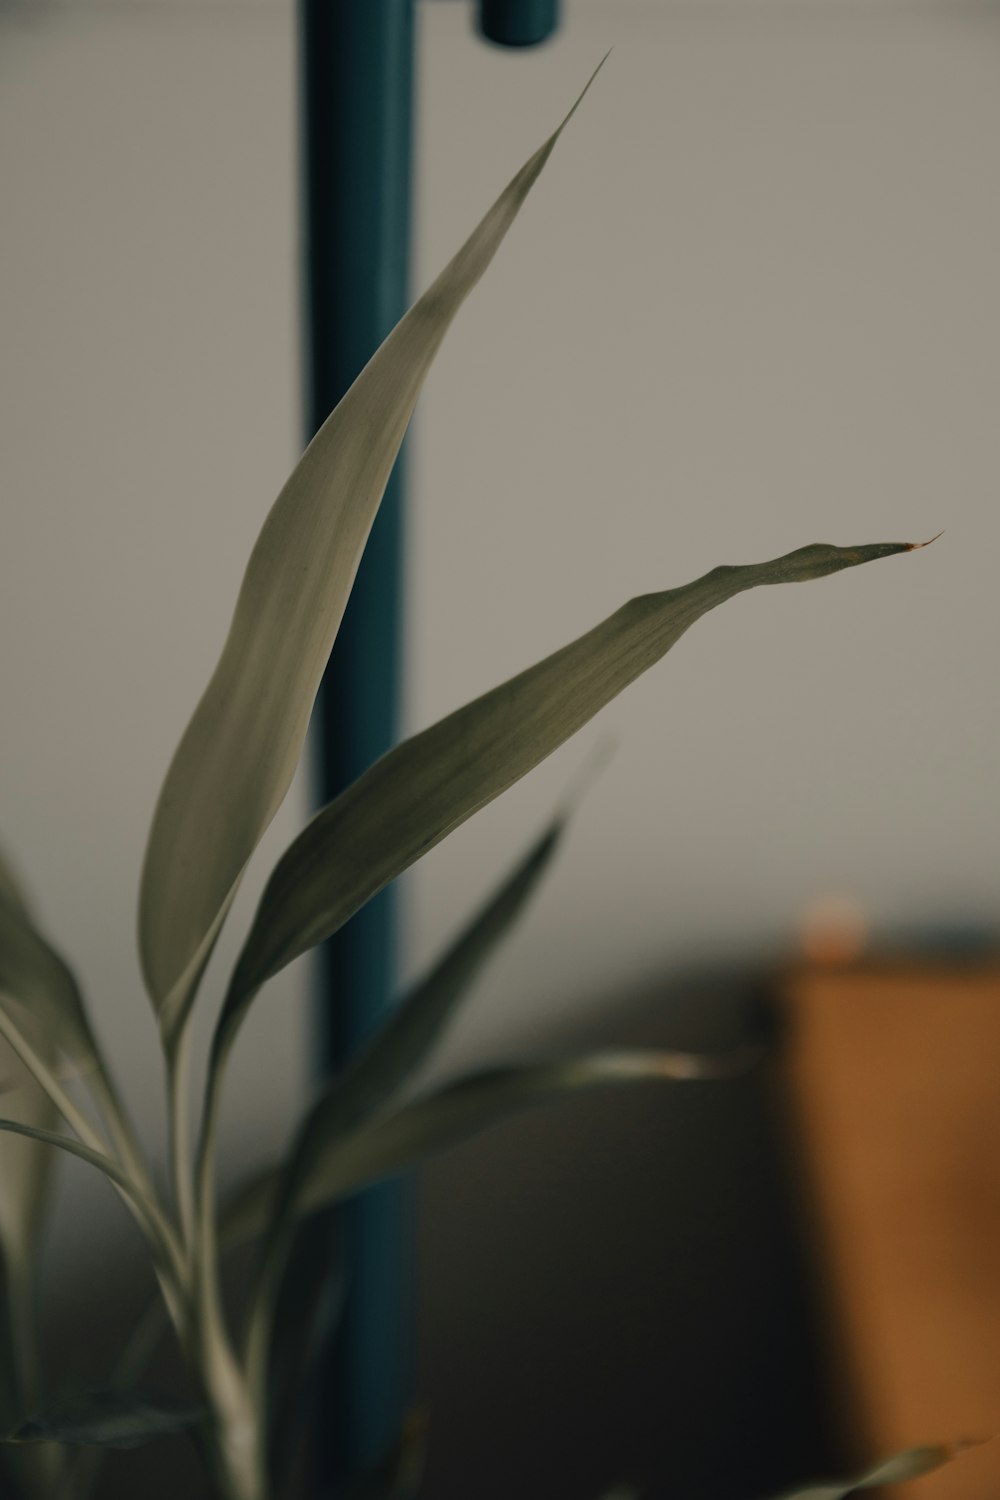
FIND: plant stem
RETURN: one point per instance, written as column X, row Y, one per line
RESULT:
column 181, row 1172
column 45, row 1076
column 238, row 1437
column 119, row 1127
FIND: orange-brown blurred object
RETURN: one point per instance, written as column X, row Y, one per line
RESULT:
column 893, row 1072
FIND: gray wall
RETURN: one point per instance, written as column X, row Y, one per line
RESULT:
column 751, row 304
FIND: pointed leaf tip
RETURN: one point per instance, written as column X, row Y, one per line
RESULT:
column 583, row 92
column 916, row 546
column 913, row 1463
column 377, row 828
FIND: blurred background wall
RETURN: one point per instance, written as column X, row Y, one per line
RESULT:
column 750, row 305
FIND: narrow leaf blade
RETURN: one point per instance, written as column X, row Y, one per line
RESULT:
column 913, row 1463
column 236, row 759
column 33, row 973
column 393, row 1056
column 25, row 1169
column 446, row 1117
column 39, row 1136
column 422, row 790
column 26, row 1181
column 409, row 1036
column 11, row 891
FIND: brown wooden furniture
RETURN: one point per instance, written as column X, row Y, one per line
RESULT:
column 893, row 1075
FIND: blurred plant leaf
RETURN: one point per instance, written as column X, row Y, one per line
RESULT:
column 11, row 891
column 25, row 1166
column 419, row 792
column 109, row 1418
column 236, row 759
column 911, row 1464
column 26, row 1178
column 50, row 1007
column 43, row 1138
column 33, row 973
column 408, row 1037
column 398, row 1141
column 397, row 1051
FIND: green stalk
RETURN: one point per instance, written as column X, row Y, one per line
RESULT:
column 178, row 1094
column 119, row 1126
column 239, row 1435
column 46, row 1077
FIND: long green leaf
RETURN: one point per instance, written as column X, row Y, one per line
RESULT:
column 42, row 1137
column 236, row 759
column 25, row 1170
column 444, row 1118
column 26, row 1178
column 409, row 1036
column 411, row 798
column 50, row 1009
column 10, row 889
column 392, row 1057
column 37, row 978
column 911, row 1464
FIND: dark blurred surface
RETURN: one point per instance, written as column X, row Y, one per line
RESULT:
column 613, row 1287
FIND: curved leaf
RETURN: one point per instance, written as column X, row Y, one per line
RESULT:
column 109, row 1418
column 73, row 1147
column 25, row 1170
column 32, row 972
column 33, row 975
column 449, row 1115
column 911, row 1464
column 236, row 759
column 419, row 792
column 31, row 969
column 26, row 1178
column 406, row 1040
column 392, row 1056
column 49, row 1007
column 10, row 889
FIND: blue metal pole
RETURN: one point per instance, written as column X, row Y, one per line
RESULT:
column 518, row 23
column 357, row 72
column 358, row 76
